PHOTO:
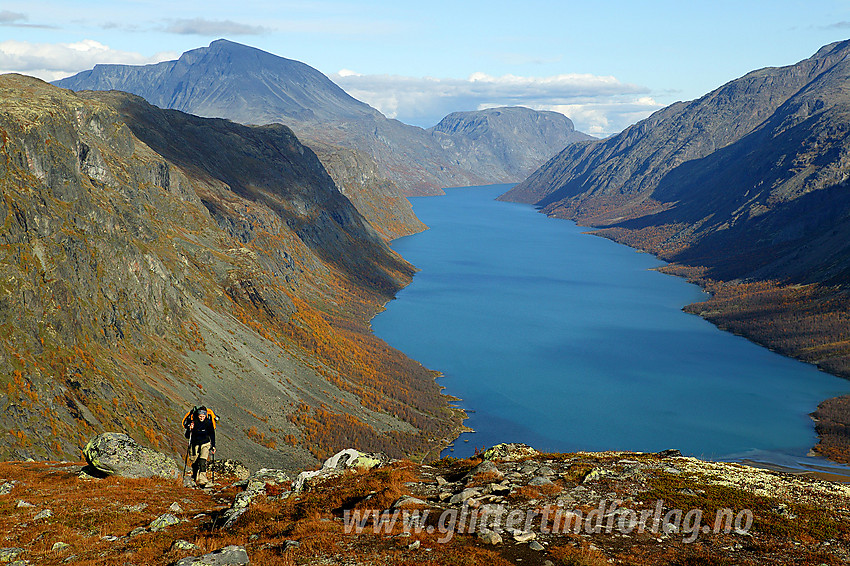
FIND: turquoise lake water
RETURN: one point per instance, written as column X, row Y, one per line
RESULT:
column 567, row 341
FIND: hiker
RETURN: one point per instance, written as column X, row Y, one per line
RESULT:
column 200, row 430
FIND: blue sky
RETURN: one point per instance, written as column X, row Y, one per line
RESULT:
column 605, row 64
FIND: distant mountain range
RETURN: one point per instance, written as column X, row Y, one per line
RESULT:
column 247, row 85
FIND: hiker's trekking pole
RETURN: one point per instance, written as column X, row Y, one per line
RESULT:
column 186, row 459
column 212, row 467
column 189, row 447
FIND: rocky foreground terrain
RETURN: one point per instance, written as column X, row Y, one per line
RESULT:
column 510, row 505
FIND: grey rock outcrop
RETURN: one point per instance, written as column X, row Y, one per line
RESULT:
column 232, row 555
column 163, row 521
column 510, row 451
column 342, row 460
column 117, row 454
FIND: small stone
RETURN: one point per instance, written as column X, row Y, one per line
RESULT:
column 163, row 521
column 445, row 495
column 6, row 488
column 136, row 508
column 414, row 545
column 181, row 544
column 46, row 514
column 24, row 504
column 406, row 501
column 528, row 468
column 593, row 475
column 485, row 467
column 524, row 536
column 490, row 537
column 175, row 508
column 85, row 476
column 441, row 481
column 291, row 544
column 463, row 496
column 672, row 470
column 60, row 546
column 109, row 538
column 137, row 531
column 534, row 545
column 540, row 480
column 545, row 471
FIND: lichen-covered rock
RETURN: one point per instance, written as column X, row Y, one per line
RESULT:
column 229, row 467
column 163, row 521
column 510, row 451
column 45, row 514
column 228, row 556
column 181, row 544
column 9, row 554
column 117, row 454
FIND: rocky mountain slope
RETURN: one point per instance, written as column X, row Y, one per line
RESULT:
column 744, row 190
column 374, row 196
column 153, row 260
column 247, row 85
column 517, row 138
column 511, row 505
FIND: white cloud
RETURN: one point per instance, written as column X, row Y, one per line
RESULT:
column 51, row 61
column 599, row 105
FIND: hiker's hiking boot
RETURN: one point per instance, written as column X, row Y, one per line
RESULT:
column 202, row 480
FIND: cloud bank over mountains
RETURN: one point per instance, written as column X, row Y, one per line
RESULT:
column 599, row 105
column 51, row 61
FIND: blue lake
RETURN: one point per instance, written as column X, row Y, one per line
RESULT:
column 567, row 342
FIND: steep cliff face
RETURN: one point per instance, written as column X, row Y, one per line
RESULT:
column 153, row 260
column 250, row 86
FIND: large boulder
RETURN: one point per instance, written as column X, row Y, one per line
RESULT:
column 510, row 452
column 339, row 462
column 117, row 454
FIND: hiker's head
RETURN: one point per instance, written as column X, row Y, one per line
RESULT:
column 202, row 413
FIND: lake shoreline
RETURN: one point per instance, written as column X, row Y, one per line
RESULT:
column 471, row 402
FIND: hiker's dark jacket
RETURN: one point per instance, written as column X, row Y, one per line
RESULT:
column 202, row 433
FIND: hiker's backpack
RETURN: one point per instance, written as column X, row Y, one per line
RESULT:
column 191, row 415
